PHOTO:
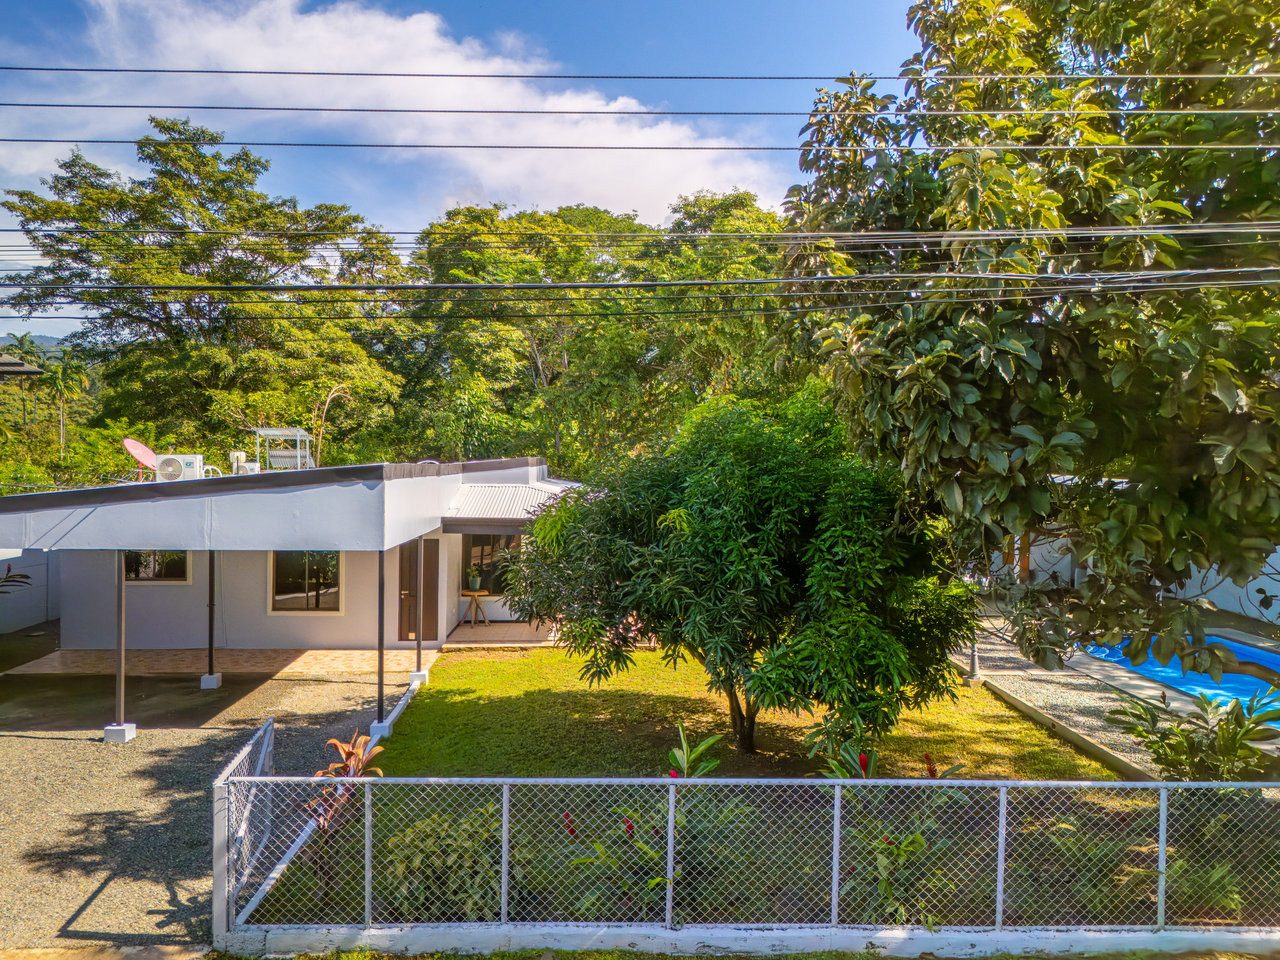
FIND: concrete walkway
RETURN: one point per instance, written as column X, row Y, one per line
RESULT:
column 1076, row 697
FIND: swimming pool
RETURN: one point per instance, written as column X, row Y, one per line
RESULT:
column 1232, row 686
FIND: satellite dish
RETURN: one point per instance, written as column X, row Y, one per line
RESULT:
column 145, row 456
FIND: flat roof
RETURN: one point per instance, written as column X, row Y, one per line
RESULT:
column 267, row 480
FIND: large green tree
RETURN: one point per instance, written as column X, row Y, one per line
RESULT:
column 754, row 547
column 205, row 361
column 580, row 375
column 1135, row 420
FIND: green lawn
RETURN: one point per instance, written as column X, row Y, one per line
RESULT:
column 526, row 713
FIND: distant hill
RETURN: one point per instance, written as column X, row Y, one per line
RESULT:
column 46, row 343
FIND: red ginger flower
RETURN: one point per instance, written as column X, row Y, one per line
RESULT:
column 568, row 825
column 864, row 762
column 674, row 774
column 930, row 767
column 628, row 826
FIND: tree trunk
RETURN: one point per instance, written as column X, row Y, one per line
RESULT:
column 62, row 427
column 743, row 721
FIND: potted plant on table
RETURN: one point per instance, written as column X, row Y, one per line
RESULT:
column 473, row 578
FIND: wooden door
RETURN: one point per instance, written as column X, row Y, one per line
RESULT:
column 419, row 587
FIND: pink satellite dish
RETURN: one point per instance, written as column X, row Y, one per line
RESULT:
column 145, row 456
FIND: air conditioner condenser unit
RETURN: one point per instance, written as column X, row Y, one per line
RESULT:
column 179, row 466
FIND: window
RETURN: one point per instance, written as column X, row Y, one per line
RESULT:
column 306, row 580
column 481, row 553
column 155, row 566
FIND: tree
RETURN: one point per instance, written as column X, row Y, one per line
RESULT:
column 203, row 362
column 752, row 546
column 64, row 380
column 1136, row 421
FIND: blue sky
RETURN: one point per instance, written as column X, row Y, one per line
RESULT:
column 403, row 190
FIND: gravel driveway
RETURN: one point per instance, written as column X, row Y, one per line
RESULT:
column 106, row 844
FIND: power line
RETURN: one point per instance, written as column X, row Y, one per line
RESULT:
column 1096, row 276
column 1019, row 111
column 960, row 77
column 869, row 235
column 641, row 148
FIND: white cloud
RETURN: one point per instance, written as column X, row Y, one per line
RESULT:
column 351, row 36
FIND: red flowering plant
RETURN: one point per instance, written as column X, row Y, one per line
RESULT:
column 628, row 863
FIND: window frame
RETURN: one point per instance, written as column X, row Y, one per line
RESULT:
column 342, row 586
column 161, row 582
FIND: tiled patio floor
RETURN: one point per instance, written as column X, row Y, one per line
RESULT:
column 278, row 663
column 499, row 633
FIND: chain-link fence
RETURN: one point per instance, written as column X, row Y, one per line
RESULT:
column 924, row 853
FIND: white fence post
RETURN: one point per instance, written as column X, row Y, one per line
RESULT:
column 671, row 855
column 221, row 910
column 368, row 855
column 506, row 851
column 1002, row 823
column 835, row 858
column 1163, row 857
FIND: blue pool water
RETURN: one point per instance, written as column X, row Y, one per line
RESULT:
column 1231, row 686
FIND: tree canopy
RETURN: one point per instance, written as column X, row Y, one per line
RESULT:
column 752, row 545
column 1135, row 419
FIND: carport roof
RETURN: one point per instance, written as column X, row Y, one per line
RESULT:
column 362, row 507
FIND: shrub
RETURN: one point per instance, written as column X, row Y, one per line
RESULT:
column 446, row 868
column 1216, row 741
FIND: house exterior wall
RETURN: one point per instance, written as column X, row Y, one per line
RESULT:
column 36, row 602
column 161, row 616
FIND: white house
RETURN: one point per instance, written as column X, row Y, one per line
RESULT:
column 330, row 557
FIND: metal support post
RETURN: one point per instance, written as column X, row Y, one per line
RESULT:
column 368, row 855
column 221, row 909
column 671, row 855
column 1162, row 858
column 506, row 851
column 835, row 857
column 1002, row 824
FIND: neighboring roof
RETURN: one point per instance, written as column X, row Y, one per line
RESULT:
column 11, row 366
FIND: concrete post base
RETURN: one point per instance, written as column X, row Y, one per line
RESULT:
column 379, row 730
column 119, row 732
column 418, row 676
column 210, row 681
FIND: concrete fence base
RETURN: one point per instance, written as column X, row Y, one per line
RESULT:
column 896, row 941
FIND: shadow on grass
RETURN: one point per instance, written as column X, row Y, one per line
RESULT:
column 165, row 840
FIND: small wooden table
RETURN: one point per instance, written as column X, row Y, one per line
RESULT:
column 475, row 606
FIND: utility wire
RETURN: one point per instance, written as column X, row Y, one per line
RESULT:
column 869, row 235
column 959, row 77
column 1097, row 276
column 696, row 148
column 1086, row 111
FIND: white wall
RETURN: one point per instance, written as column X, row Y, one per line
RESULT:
column 36, row 602
column 451, row 559
column 175, row 616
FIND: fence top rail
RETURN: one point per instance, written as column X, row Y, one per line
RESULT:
column 225, row 775
column 762, row 782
